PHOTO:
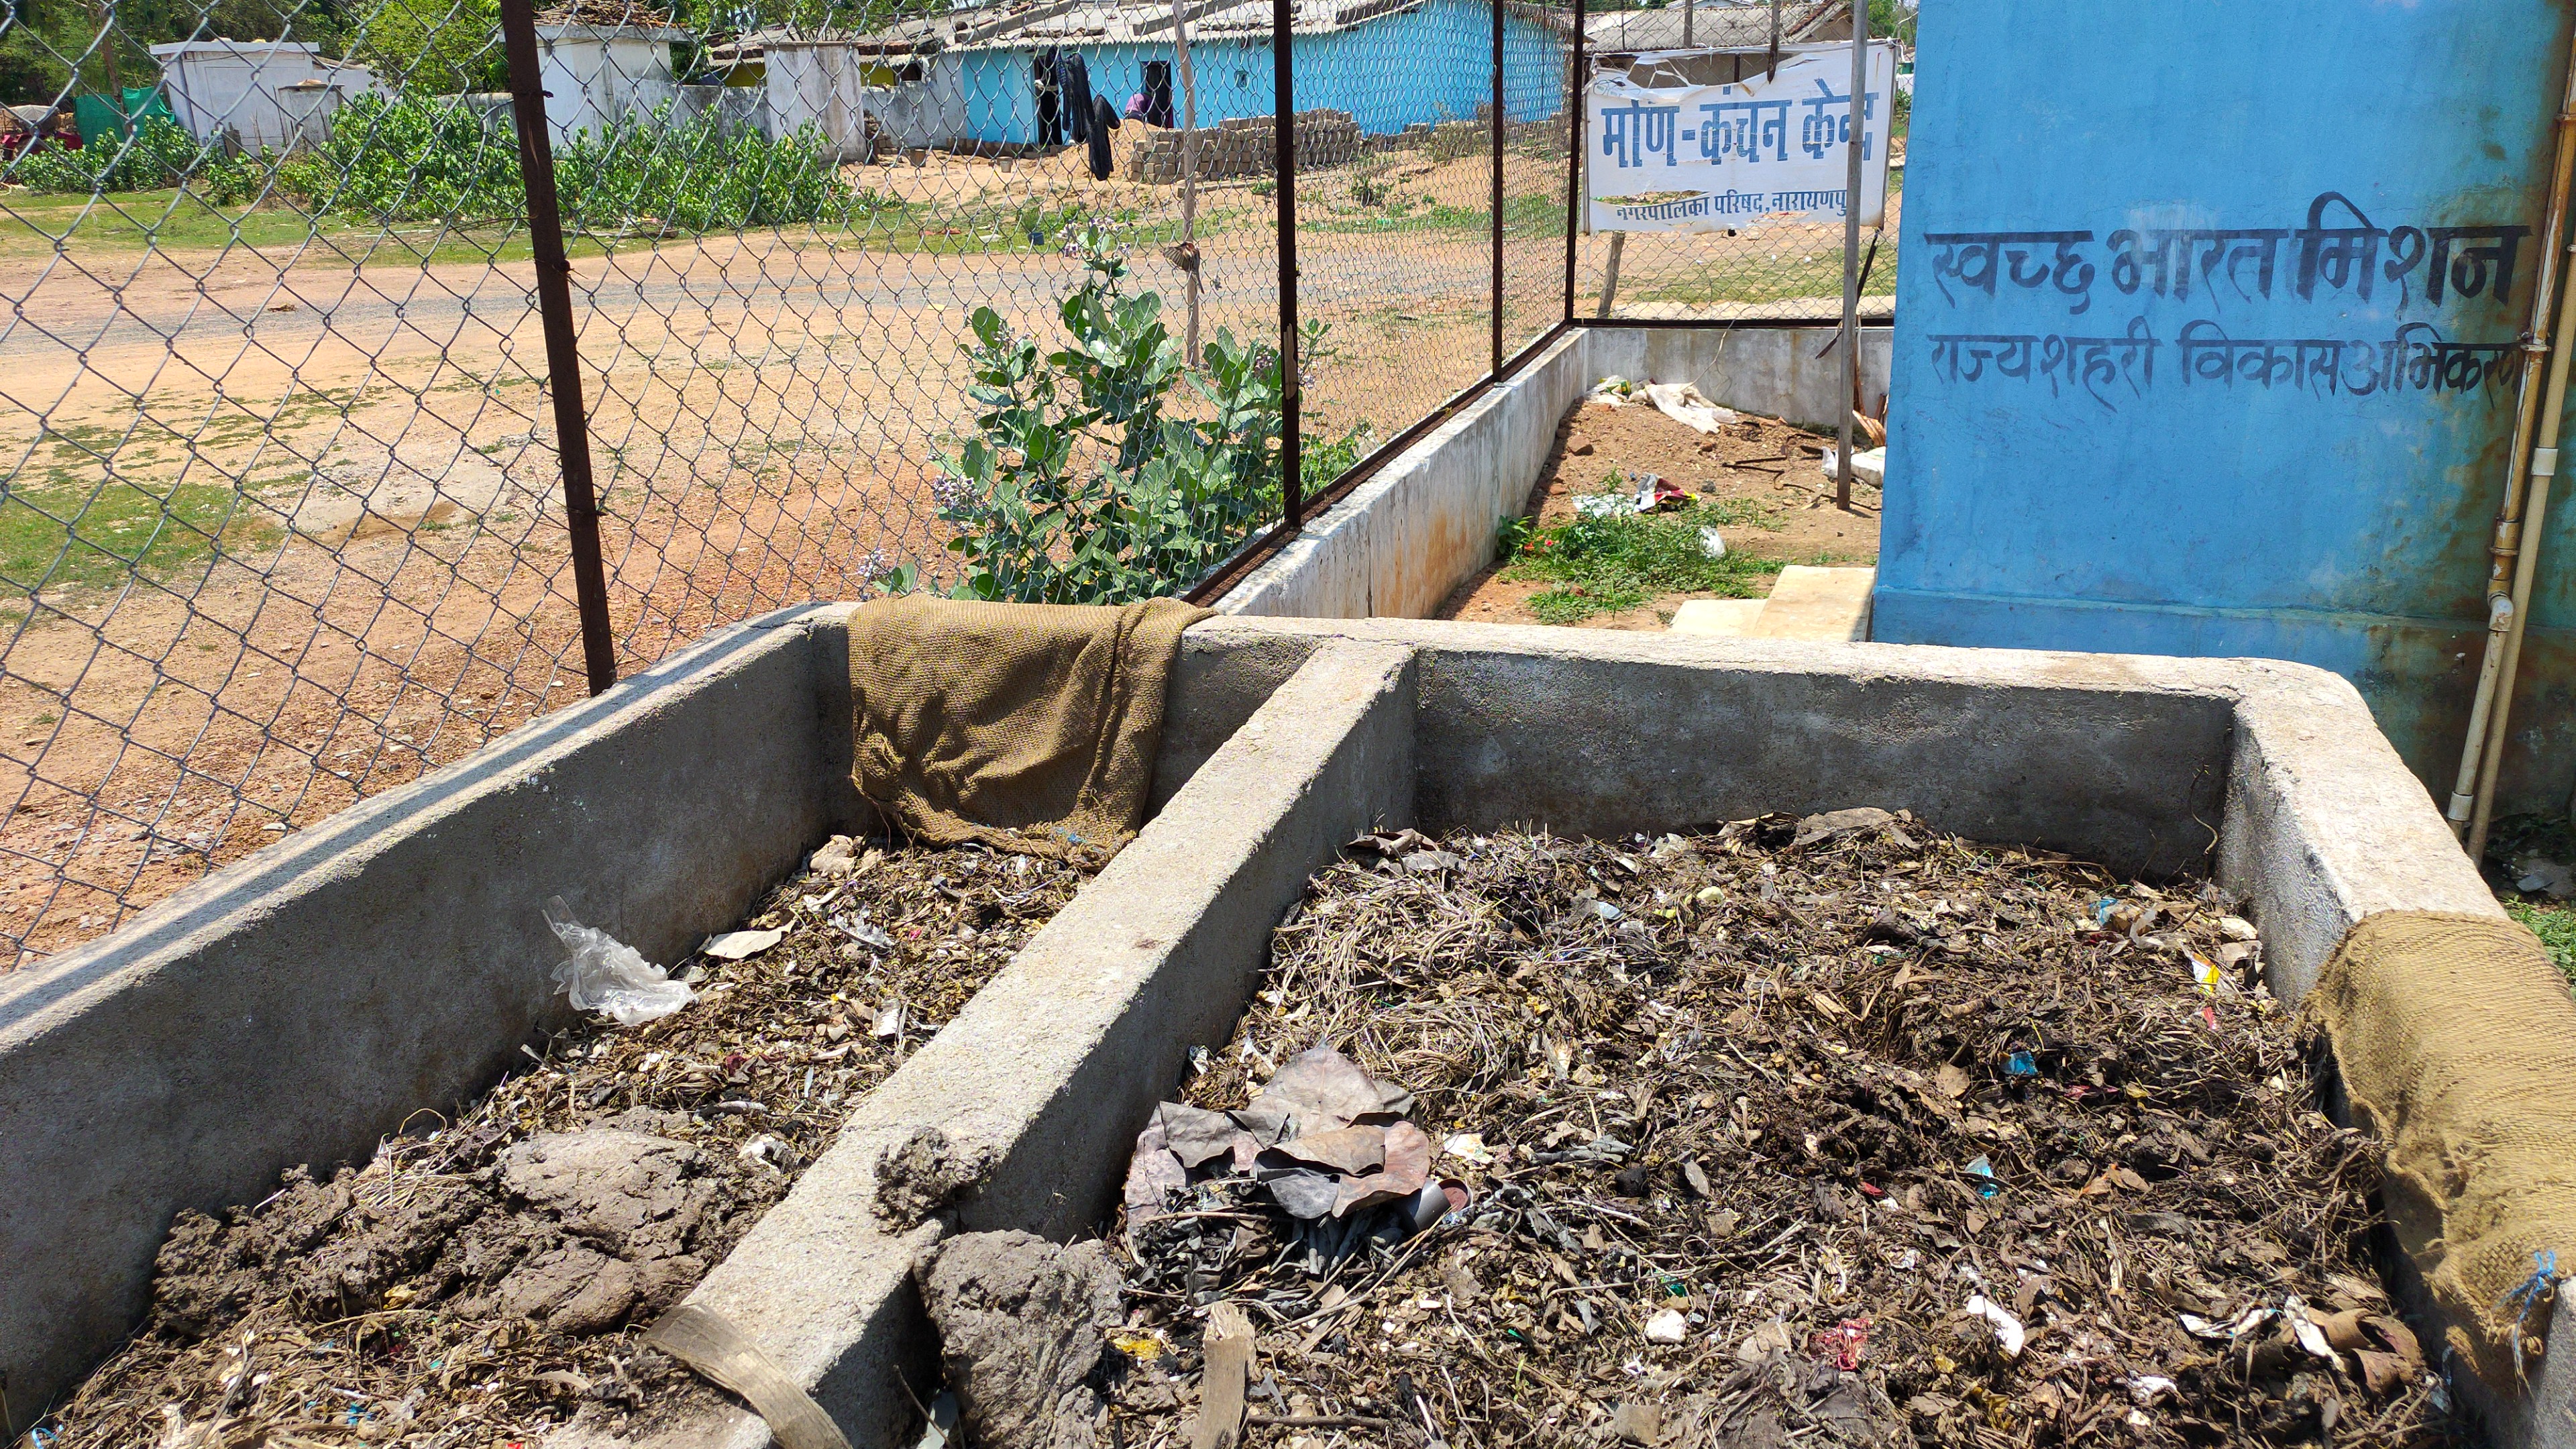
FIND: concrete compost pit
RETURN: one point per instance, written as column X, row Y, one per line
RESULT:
column 298, row 1007
column 491, row 1275
column 1836, row 1125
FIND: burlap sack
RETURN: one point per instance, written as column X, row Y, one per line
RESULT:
column 2456, row 1039
column 1029, row 727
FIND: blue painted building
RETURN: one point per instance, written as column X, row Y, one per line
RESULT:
column 1388, row 64
column 2206, row 344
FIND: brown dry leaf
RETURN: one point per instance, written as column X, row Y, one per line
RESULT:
column 1952, row 1081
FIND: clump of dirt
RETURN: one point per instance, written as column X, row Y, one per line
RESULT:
column 1764, row 477
column 1834, row 1130
column 487, row 1279
column 1021, row 1324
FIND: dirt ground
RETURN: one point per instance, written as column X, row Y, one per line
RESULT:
column 1824, row 1131
column 485, row 1280
column 1760, row 464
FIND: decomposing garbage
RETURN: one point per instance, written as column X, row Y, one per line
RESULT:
column 485, row 1278
column 1832, row 1130
column 1021, row 1324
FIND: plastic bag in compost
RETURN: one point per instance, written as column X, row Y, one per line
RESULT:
column 607, row 975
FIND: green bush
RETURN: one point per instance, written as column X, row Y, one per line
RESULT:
column 1078, row 486
column 156, row 155
column 412, row 158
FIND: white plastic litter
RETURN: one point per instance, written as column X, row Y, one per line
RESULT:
column 2009, row 1335
column 1712, row 543
column 1684, row 403
column 1667, row 1327
column 1869, row 467
column 739, row 945
column 1613, row 390
column 606, row 975
column 1605, row 505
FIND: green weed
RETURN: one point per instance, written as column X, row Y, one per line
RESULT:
column 1604, row 564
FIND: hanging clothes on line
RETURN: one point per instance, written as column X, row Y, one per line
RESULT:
column 1042, row 73
column 1104, row 119
column 1076, row 80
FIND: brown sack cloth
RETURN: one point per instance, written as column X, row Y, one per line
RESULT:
column 2456, row 1038
column 1029, row 727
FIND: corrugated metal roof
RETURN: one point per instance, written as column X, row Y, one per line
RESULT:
column 1106, row 22
column 1713, row 26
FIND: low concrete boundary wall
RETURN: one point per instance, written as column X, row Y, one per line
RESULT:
column 1408, row 537
column 1790, row 373
column 1425, row 523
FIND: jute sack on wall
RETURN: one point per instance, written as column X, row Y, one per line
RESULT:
column 2456, row 1039
column 1028, row 727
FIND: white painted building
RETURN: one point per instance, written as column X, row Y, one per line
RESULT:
column 253, row 92
column 599, row 75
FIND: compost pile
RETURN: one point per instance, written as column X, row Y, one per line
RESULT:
column 1834, row 1130
column 482, row 1279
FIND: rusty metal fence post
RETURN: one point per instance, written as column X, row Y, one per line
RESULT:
column 1283, row 79
column 1501, row 125
column 563, row 348
column 1577, row 86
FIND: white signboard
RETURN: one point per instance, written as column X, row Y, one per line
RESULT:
column 1732, row 157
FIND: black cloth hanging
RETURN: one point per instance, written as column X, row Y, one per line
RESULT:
column 1050, row 99
column 1104, row 119
column 1076, row 80
column 1158, row 93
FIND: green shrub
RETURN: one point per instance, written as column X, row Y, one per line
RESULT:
column 157, row 154
column 1078, row 486
column 412, row 158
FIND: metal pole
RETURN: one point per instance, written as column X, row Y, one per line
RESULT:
column 1774, row 69
column 1686, row 24
column 1283, row 80
column 1575, row 82
column 1189, row 174
column 1496, row 368
column 563, row 351
column 1851, row 247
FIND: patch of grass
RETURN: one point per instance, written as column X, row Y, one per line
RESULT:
column 2556, row 928
column 1523, row 216
column 81, row 522
column 1602, row 565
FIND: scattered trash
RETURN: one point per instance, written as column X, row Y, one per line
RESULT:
column 2539, row 875
column 741, row 945
column 2009, row 1335
column 605, row 975
column 1719, row 1148
column 1684, row 403
column 1711, row 542
column 1844, row 1344
column 1613, row 391
column 1606, row 505
column 594, row 1185
column 1984, row 1173
column 1868, row 468
column 1656, row 493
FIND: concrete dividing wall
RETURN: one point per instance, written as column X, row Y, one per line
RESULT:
column 1407, row 538
column 1790, row 373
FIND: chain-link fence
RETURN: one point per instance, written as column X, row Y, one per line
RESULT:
column 856, row 297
